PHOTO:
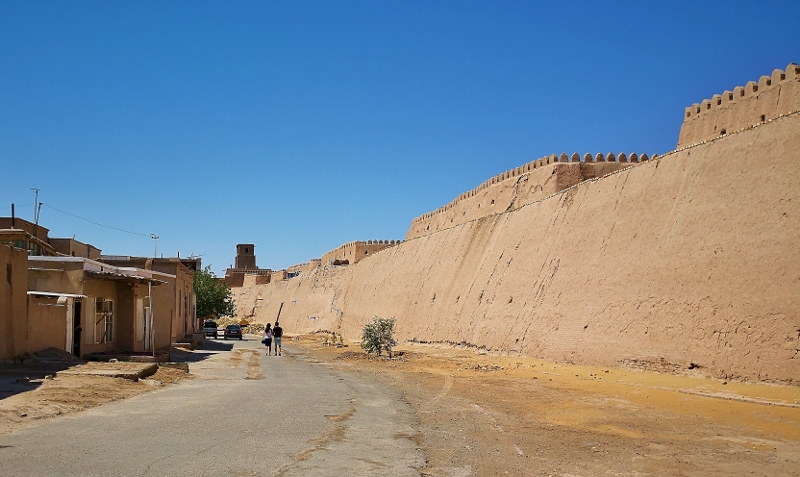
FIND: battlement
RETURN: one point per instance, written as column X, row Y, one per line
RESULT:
column 522, row 185
column 756, row 102
column 353, row 252
column 295, row 270
column 237, row 277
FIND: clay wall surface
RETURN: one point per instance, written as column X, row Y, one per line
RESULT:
column 523, row 185
column 164, row 310
column 690, row 258
column 249, row 280
column 74, row 248
column 305, row 267
column 354, row 251
column 181, row 287
column 234, row 279
column 771, row 97
column 13, row 300
column 277, row 275
column 46, row 324
column 17, row 223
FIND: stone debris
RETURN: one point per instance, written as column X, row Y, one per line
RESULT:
column 250, row 329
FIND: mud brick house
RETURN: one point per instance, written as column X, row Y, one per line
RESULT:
column 180, row 280
column 85, row 306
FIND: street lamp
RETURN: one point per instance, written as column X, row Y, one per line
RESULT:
column 155, row 245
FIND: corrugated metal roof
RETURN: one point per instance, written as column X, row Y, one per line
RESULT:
column 122, row 276
column 46, row 293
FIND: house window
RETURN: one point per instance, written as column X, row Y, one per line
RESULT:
column 104, row 321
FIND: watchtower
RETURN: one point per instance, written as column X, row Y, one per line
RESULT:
column 246, row 256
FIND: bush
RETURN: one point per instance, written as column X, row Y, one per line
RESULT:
column 378, row 336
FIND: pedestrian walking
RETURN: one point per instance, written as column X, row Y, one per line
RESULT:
column 277, row 332
column 268, row 338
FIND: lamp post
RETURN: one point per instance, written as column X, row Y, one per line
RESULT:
column 155, row 245
column 36, row 205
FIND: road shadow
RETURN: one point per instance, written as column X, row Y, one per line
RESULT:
column 20, row 378
column 208, row 349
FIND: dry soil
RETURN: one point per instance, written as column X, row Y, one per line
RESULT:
column 484, row 415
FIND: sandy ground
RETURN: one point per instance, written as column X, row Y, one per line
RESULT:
column 483, row 415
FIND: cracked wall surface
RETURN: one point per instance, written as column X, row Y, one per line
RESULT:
column 691, row 260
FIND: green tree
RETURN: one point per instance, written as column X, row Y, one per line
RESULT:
column 378, row 336
column 213, row 295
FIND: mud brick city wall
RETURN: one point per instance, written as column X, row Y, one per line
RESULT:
column 688, row 259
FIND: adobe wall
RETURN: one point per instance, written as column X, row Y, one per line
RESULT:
column 17, row 223
column 13, row 301
column 277, row 275
column 74, row 248
column 772, row 97
column 46, row 325
column 234, row 279
column 305, row 267
column 523, row 185
column 355, row 251
column 689, row 258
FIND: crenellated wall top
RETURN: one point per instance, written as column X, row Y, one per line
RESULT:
column 771, row 97
column 532, row 166
column 777, row 77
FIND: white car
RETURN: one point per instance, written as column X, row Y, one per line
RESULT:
column 210, row 328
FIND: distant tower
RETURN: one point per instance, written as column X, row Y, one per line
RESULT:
column 246, row 256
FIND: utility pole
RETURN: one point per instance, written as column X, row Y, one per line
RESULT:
column 36, row 206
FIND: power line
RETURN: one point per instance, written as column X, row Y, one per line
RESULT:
column 8, row 207
column 96, row 223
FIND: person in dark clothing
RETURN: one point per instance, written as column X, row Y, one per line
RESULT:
column 277, row 332
column 268, row 338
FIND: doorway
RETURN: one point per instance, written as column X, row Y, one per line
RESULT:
column 77, row 328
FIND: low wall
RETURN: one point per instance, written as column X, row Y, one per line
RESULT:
column 688, row 260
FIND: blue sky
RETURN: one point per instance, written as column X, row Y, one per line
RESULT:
column 302, row 125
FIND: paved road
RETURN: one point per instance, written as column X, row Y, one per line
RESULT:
column 246, row 414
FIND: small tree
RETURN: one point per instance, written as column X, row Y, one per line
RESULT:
column 378, row 336
column 213, row 295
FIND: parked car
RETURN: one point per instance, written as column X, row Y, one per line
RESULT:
column 210, row 328
column 233, row 331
